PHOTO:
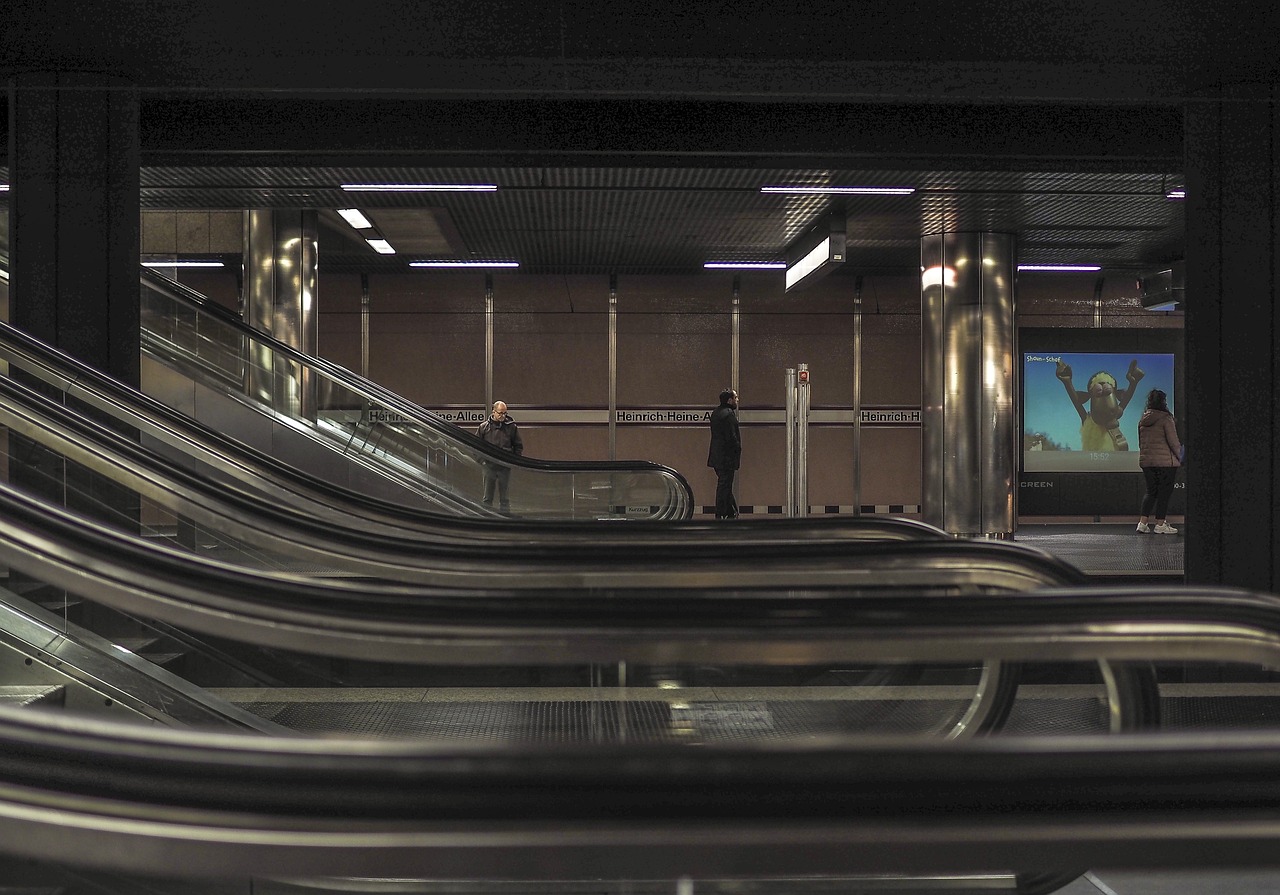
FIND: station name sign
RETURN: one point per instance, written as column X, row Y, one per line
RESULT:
column 660, row 416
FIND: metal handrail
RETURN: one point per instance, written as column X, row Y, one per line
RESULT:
column 114, row 797
column 872, row 616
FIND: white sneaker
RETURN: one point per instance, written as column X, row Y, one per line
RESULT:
column 1144, row 528
column 1164, row 528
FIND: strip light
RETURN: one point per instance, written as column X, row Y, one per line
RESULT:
column 464, row 263
column 842, row 190
column 1061, row 268
column 4, row 187
column 381, row 246
column 183, row 264
column 744, row 265
column 420, row 187
column 355, row 218
column 1180, row 193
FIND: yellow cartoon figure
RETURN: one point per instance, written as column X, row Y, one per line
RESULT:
column 1101, row 406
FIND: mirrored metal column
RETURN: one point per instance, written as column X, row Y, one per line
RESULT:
column 281, row 263
column 968, row 411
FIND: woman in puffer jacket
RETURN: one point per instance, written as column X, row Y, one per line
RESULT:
column 1159, row 455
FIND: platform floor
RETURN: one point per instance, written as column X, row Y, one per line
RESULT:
column 1109, row 549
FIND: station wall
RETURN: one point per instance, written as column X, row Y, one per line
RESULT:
column 674, row 349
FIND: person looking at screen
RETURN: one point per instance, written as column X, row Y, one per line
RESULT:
column 1159, row 455
column 1101, row 406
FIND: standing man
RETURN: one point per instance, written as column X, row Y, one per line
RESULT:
column 725, row 453
column 500, row 431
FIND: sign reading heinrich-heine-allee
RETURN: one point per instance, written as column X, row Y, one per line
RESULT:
column 654, row 416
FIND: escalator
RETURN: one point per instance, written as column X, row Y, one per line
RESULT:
column 618, row 800
column 189, row 813
column 204, row 361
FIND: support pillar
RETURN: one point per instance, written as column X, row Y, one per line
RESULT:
column 968, row 413
column 74, row 216
column 280, row 298
column 1232, row 424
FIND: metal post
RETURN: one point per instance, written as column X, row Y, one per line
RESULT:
column 857, row 397
column 802, row 440
column 613, row 366
column 790, row 380
column 488, row 342
column 364, row 325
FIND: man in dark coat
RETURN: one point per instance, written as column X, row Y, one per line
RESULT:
column 499, row 430
column 725, row 453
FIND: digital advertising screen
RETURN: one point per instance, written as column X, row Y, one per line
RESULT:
column 1080, row 409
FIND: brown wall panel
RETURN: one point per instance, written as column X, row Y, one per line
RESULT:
column 772, row 343
column 762, row 479
column 674, row 338
column 891, row 466
column 563, row 442
column 830, row 467
column 339, row 321
column 426, row 337
column 890, row 367
column 551, row 341
column 672, row 359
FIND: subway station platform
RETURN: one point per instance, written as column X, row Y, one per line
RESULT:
column 1110, row 550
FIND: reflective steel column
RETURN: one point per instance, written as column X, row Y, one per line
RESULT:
column 968, row 409
column 281, row 262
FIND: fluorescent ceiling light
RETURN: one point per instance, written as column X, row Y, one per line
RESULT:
column 843, row 190
column 464, row 263
column 1061, row 268
column 420, row 187
column 381, row 246
column 183, row 264
column 4, row 187
column 4, row 275
column 1180, row 193
column 353, row 217
column 744, row 265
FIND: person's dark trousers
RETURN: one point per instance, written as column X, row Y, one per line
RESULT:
column 1160, row 481
column 497, row 478
column 726, row 506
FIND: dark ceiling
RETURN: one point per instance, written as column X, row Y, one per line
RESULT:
column 669, row 220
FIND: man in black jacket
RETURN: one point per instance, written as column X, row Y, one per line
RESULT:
column 500, row 431
column 725, row 452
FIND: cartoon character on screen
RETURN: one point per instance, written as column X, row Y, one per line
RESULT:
column 1101, row 406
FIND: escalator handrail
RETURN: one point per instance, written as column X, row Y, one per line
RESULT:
column 875, row 615
column 80, row 790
